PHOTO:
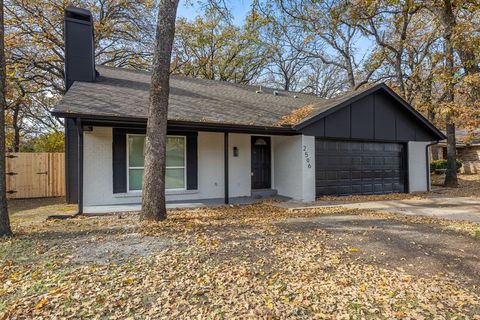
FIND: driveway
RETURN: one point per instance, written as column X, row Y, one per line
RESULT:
column 453, row 208
column 418, row 249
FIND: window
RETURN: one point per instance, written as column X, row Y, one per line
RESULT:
column 175, row 174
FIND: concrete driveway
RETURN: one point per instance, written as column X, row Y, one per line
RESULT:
column 457, row 208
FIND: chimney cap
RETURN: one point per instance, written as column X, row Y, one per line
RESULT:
column 78, row 13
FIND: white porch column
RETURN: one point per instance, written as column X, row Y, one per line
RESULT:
column 418, row 166
column 308, row 168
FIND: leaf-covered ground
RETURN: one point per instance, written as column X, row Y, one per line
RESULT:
column 469, row 186
column 254, row 261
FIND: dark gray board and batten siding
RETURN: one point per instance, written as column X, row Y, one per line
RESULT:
column 375, row 117
column 71, row 161
column 361, row 147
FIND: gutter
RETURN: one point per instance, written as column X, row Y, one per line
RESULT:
column 428, row 164
column 179, row 124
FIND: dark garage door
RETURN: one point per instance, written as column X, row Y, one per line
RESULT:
column 351, row 167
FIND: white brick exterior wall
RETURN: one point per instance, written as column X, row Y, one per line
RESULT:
column 293, row 177
column 417, row 166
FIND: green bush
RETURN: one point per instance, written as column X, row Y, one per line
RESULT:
column 45, row 142
column 442, row 165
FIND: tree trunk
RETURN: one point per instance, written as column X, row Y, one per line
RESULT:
column 153, row 201
column 451, row 174
column 350, row 73
column 286, row 85
column 399, row 75
column 16, row 130
column 468, row 58
column 5, row 229
column 434, row 149
column 448, row 18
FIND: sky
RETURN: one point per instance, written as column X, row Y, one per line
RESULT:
column 189, row 9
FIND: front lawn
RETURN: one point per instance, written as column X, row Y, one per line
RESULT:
column 253, row 261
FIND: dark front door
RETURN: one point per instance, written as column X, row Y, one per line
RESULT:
column 261, row 169
column 355, row 167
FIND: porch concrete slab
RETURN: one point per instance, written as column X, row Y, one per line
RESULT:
column 457, row 208
column 187, row 204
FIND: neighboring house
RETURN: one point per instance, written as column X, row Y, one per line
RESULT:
column 227, row 140
column 468, row 150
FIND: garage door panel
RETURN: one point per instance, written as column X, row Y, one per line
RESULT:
column 367, row 189
column 343, row 175
column 351, row 167
column 356, row 189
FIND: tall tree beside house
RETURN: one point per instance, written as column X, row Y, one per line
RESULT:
column 35, row 53
column 467, row 46
column 153, row 192
column 459, row 75
column 447, row 17
column 5, row 229
column 445, row 10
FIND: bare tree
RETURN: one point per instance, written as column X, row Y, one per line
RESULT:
column 329, row 37
column 153, row 201
column 5, row 229
column 323, row 80
column 373, row 16
column 285, row 60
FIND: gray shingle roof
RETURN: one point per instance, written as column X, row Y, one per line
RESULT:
column 468, row 137
column 124, row 93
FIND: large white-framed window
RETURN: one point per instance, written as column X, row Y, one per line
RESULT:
column 176, row 162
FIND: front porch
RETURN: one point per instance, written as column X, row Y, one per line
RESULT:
column 219, row 168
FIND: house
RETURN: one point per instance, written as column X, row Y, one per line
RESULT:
column 468, row 150
column 227, row 140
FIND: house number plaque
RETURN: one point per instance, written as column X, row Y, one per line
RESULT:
column 307, row 157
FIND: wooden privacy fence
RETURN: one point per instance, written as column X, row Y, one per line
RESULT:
column 35, row 175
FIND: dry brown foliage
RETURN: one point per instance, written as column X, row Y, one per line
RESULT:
column 228, row 262
column 297, row 115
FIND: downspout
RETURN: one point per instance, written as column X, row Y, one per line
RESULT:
column 428, row 164
column 78, row 123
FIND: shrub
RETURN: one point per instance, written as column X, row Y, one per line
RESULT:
column 442, row 165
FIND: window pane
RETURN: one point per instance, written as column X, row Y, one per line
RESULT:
column 135, row 151
column 175, row 179
column 175, row 152
column 135, row 178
